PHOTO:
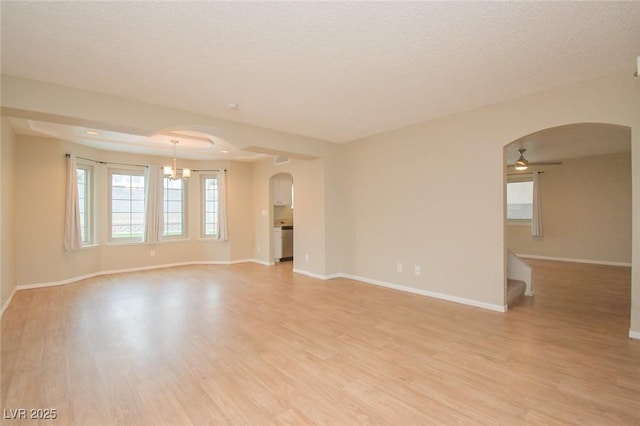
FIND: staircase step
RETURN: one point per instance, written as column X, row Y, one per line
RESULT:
column 515, row 290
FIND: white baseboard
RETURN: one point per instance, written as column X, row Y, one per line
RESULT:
column 634, row 334
column 141, row 268
column 261, row 262
column 442, row 296
column 6, row 304
column 317, row 276
column 476, row 303
column 567, row 259
column 234, row 262
column 332, row 276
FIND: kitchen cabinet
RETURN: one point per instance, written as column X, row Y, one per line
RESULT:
column 281, row 190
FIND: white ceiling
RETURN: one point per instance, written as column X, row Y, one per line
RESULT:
column 191, row 145
column 336, row 71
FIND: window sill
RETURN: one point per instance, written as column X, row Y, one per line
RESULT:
column 165, row 241
column 521, row 222
column 89, row 246
column 214, row 239
column 172, row 240
column 124, row 243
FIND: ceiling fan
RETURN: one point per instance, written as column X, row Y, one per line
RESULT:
column 523, row 164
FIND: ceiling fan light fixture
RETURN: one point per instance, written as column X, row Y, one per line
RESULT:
column 522, row 163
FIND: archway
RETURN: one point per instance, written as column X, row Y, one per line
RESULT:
column 584, row 171
column 282, row 201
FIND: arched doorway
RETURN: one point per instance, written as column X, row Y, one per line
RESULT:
column 584, row 173
column 282, row 201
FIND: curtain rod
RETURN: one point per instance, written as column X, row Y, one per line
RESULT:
column 108, row 162
column 138, row 165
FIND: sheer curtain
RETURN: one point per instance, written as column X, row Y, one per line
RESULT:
column 72, row 232
column 536, row 219
column 154, row 223
column 222, row 206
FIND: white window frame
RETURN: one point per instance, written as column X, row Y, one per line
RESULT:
column 203, row 208
column 131, row 172
column 165, row 212
column 518, row 221
column 88, row 206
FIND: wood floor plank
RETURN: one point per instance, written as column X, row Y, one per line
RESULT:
column 250, row 344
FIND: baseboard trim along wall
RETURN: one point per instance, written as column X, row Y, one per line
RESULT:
column 261, row 262
column 6, row 304
column 634, row 334
column 435, row 295
column 317, row 276
column 442, row 296
column 142, row 268
column 567, row 259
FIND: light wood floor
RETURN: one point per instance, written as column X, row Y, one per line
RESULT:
column 250, row 344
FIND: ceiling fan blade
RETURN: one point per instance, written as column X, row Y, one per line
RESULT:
column 541, row 163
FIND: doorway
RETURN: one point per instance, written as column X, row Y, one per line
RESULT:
column 585, row 179
column 282, row 200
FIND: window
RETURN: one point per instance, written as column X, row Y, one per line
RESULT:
column 520, row 200
column 210, row 206
column 84, row 174
column 127, row 205
column 174, row 202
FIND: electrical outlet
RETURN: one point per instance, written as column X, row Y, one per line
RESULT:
column 259, row 249
column 399, row 267
column 417, row 270
column 152, row 253
column 306, row 257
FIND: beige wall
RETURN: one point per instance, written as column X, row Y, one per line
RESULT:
column 586, row 212
column 635, row 185
column 40, row 217
column 428, row 196
column 240, row 201
column 432, row 194
column 7, row 214
column 334, row 175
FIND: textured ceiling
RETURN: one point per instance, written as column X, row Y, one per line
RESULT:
column 336, row 71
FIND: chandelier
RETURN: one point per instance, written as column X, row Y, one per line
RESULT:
column 172, row 172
